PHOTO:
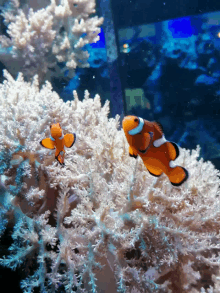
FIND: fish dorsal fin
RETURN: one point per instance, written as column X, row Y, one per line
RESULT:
column 158, row 126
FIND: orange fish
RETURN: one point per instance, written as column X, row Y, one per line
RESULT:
column 58, row 141
column 147, row 140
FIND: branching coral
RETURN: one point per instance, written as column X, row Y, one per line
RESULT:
column 40, row 39
column 101, row 219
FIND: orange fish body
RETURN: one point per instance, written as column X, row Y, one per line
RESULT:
column 58, row 141
column 147, row 140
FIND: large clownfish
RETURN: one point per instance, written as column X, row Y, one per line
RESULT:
column 147, row 140
column 58, row 141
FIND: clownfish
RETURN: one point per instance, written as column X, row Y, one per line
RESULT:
column 58, row 141
column 147, row 140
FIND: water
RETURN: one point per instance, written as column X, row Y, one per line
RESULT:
column 156, row 60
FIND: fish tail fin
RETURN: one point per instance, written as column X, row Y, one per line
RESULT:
column 60, row 158
column 178, row 176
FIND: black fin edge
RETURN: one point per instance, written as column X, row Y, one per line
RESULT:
column 184, row 180
column 154, row 174
column 133, row 156
column 74, row 140
column 176, row 149
column 56, row 157
column 143, row 151
column 45, row 147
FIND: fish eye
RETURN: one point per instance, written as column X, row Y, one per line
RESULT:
column 136, row 120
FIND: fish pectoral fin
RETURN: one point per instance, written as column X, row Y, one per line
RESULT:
column 132, row 153
column 69, row 139
column 146, row 143
column 47, row 143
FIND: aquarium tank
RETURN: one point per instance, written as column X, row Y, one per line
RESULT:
column 110, row 146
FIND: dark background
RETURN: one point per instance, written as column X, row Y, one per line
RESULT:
column 135, row 12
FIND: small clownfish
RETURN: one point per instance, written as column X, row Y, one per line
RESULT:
column 147, row 140
column 58, row 141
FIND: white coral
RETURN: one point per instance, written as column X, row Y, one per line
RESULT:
column 106, row 209
column 56, row 33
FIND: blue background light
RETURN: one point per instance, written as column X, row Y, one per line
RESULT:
column 181, row 27
column 101, row 42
